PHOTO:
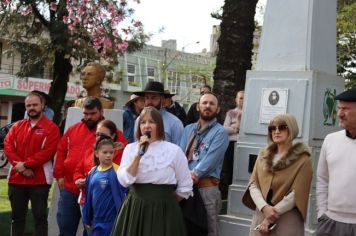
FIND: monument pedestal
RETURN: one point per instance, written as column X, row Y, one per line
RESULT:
column 295, row 73
column 305, row 95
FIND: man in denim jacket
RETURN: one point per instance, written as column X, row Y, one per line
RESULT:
column 205, row 143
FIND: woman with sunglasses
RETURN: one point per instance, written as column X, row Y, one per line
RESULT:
column 105, row 129
column 279, row 186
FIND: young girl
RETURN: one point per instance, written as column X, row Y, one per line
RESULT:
column 102, row 190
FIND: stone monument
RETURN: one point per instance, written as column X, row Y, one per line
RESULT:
column 295, row 73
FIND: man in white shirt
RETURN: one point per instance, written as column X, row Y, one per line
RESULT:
column 336, row 196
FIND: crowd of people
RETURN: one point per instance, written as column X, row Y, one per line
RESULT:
column 142, row 180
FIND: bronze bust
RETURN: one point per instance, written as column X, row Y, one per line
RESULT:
column 92, row 77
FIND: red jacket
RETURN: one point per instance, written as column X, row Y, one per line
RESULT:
column 70, row 152
column 87, row 163
column 35, row 146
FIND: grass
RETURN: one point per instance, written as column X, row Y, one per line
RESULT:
column 4, row 200
column 5, row 211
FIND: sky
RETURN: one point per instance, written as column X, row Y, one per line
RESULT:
column 187, row 21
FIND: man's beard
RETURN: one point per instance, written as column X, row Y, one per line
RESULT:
column 34, row 115
column 158, row 107
column 207, row 117
column 91, row 124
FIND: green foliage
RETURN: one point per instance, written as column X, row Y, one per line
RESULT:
column 346, row 47
column 202, row 71
column 134, row 83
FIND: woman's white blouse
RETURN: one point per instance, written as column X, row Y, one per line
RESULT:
column 163, row 163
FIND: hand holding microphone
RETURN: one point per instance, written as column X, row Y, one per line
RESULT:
column 144, row 142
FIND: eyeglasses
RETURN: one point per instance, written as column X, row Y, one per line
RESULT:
column 279, row 127
column 102, row 135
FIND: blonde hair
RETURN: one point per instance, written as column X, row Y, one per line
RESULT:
column 285, row 119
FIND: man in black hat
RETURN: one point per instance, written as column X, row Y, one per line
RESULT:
column 154, row 95
column 336, row 195
column 174, row 107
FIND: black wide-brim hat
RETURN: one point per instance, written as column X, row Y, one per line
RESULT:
column 151, row 87
column 348, row 95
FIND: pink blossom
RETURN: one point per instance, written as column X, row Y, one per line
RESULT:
column 124, row 45
column 6, row 2
column 27, row 10
column 115, row 33
column 65, row 19
column 100, row 19
column 71, row 27
column 53, row 6
column 137, row 23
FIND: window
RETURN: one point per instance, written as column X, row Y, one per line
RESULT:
column 150, row 72
column 131, row 78
column 131, row 71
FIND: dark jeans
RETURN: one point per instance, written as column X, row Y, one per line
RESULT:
column 227, row 170
column 19, row 196
column 68, row 214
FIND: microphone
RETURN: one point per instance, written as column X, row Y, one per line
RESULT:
column 144, row 146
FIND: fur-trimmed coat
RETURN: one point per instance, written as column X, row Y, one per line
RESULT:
column 292, row 172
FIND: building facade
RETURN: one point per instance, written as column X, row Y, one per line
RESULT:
column 13, row 89
column 182, row 73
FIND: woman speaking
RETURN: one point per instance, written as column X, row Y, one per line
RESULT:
column 158, row 176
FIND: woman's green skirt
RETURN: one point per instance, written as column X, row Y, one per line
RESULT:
column 150, row 210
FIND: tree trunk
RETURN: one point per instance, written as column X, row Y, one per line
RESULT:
column 61, row 70
column 235, row 50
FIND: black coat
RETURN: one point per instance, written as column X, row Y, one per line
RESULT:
column 179, row 112
column 194, row 214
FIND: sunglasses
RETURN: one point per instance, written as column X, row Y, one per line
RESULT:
column 102, row 135
column 279, row 127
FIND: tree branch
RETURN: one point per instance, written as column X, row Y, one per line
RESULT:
column 38, row 15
